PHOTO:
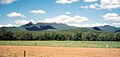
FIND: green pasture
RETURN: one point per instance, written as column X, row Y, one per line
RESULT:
column 82, row 44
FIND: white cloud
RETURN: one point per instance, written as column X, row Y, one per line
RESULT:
column 116, row 24
column 90, row 0
column 22, row 22
column 110, row 4
column 7, row 25
column 84, row 7
column 15, row 14
column 89, row 25
column 66, row 1
column 68, row 13
column 66, row 19
column 91, row 6
column 7, row 1
column 38, row 11
column 112, row 17
column 105, row 4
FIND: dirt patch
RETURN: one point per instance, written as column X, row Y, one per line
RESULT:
column 37, row 51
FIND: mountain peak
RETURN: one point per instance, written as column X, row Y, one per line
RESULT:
column 28, row 24
column 49, row 23
column 107, row 26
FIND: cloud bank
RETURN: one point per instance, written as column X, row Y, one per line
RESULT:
column 66, row 19
column 8, row 25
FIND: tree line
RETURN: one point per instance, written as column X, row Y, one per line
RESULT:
column 59, row 36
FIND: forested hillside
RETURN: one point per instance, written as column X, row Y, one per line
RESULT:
column 77, row 35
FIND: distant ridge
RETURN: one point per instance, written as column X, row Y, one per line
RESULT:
column 107, row 28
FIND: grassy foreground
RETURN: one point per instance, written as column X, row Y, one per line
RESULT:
column 86, row 44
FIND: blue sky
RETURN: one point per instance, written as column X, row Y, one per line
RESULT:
column 82, row 13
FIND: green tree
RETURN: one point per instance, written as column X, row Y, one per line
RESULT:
column 23, row 35
column 117, row 36
column 6, row 35
column 77, row 36
column 87, row 36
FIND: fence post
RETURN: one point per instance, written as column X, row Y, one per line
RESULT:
column 24, row 53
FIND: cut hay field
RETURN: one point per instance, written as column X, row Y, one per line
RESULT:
column 83, row 44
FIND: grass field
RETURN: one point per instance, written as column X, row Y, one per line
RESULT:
column 86, row 44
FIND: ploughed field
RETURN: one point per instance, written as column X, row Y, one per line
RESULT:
column 38, row 51
column 59, row 49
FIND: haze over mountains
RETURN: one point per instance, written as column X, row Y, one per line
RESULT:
column 58, row 26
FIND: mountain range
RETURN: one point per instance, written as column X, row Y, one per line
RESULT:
column 59, row 26
column 39, row 27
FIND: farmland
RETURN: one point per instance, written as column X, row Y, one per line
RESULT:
column 83, row 44
column 59, row 48
column 38, row 51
